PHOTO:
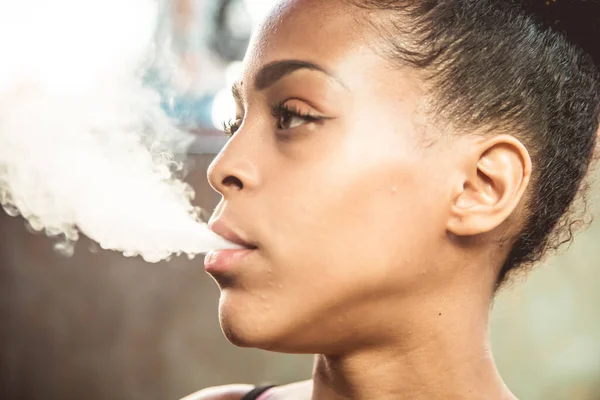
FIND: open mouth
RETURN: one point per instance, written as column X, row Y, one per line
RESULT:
column 223, row 263
column 220, row 228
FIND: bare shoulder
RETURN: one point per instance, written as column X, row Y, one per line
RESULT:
column 294, row 391
column 226, row 392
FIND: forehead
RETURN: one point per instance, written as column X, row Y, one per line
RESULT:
column 335, row 36
column 324, row 32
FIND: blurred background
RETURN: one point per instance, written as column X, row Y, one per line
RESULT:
column 99, row 326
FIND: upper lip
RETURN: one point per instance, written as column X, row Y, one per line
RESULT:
column 219, row 227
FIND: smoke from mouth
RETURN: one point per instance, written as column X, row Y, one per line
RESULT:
column 85, row 146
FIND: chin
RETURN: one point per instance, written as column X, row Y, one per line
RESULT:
column 247, row 333
column 267, row 336
column 243, row 326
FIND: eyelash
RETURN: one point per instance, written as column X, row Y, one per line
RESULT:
column 230, row 127
column 277, row 111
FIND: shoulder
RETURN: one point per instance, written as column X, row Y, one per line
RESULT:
column 296, row 391
column 226, row 392
column 299, row 390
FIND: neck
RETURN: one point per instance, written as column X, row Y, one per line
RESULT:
column 439, row 353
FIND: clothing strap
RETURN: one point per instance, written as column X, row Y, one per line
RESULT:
column 255, row 393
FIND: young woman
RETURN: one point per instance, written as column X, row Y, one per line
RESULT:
column 391, row 163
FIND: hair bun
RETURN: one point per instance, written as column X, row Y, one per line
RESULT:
column 578, row 20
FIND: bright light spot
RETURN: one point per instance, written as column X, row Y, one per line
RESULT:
column 233, row 73
column 258, row 9
column 40, row 36
column 223, row 108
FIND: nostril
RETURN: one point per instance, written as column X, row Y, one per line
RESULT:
column 232, row 181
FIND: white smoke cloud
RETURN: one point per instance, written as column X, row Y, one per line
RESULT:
column 84, row 145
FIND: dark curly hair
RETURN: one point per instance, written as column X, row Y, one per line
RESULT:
column 508, row 65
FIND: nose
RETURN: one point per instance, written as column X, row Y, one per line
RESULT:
column 230, row 173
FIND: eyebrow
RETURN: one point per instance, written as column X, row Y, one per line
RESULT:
column 271, row 73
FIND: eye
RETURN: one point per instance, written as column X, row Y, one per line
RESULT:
column 231, row 126
column 289, row 120
column 290, row 116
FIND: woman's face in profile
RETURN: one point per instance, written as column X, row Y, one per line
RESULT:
column 332, row 173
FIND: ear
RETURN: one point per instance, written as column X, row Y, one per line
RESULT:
column 494, row 184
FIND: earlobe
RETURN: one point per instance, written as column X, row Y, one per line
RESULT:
column 494, row 185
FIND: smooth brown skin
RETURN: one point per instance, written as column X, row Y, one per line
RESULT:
column 378, row 229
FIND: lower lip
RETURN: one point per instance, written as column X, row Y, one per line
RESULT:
column 224, row 260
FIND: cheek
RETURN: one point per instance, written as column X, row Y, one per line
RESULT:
column 357, row 212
